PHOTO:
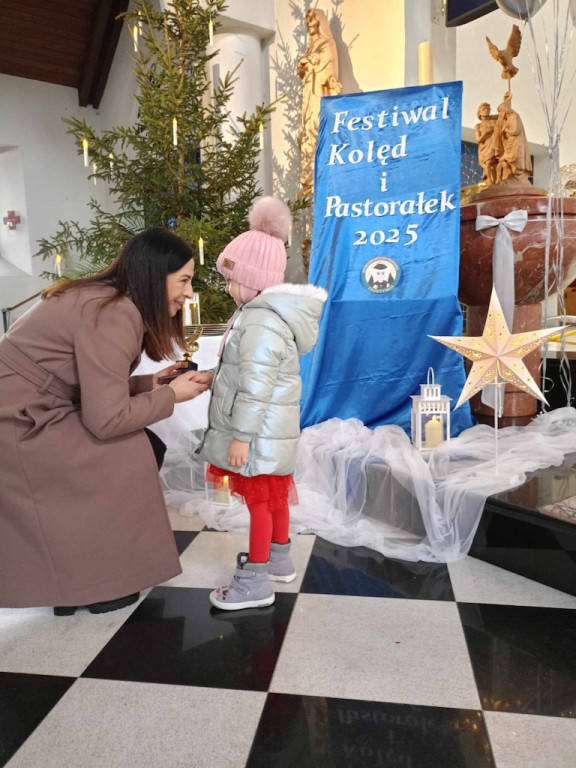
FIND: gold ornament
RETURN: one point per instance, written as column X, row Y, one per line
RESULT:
column 497, row 354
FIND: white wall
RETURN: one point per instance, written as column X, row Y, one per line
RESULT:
column 15, row 257
column 53, row 184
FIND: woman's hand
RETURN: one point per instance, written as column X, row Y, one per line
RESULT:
column 238, row 453
column 172, row 370
column 189, row 385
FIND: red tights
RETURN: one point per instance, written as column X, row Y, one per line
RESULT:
column 269, row 521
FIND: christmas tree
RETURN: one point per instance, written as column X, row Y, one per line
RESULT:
column 183, row 165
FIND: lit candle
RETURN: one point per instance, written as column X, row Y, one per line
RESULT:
column 201, row 251
column 135, row 37
column 111, row 156
column 59, row 264
column 85, row 149
column 210, row 32
column 223, row 493
column 174, row 132
column 425, row 72
column 261, row 134
column 94, row 169
column 434, row 432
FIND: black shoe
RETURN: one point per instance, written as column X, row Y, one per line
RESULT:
column 104, row 607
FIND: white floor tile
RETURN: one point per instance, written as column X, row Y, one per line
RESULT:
column 210, row 560
column 531, row 741
column 33, row 640
column 377, row 649
column 184, row 523
column 109, row 724
column 475, row 581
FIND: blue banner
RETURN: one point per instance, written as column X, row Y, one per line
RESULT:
column 386, row 248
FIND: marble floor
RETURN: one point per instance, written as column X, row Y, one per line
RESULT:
column 362, row 662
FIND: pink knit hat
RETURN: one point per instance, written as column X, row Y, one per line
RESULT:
column 257, row 259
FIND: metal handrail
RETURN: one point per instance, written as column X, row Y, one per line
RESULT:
column 6, row 310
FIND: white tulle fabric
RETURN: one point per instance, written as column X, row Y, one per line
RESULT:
column 372, row 488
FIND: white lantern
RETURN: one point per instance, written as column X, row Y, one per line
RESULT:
column 430, row 415
column 218, row 492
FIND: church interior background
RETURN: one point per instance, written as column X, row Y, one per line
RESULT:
column 367, row 659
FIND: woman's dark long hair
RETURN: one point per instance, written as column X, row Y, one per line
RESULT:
column 140, row 272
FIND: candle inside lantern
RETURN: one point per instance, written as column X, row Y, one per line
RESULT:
column 223, row 491
column 201, row 251
column 85, row 150
column 174, row 132
column 425, row 72
column 434, row 432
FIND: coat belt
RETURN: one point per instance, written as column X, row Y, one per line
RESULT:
column 45, row 381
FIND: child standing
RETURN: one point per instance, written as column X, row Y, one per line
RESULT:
column 254, row 417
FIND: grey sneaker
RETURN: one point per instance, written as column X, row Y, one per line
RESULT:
column 249, row 587
column 280, row 566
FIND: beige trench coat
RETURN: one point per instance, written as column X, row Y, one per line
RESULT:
column 82, row 514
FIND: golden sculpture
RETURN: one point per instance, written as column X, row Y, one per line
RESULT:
column 318, row 70
column 505, row 56
column 484, row 133
column 503, row 151
column 511, row 145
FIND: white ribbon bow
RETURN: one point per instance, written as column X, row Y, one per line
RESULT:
column 502, row 273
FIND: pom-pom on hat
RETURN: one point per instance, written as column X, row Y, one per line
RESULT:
column 257, row 259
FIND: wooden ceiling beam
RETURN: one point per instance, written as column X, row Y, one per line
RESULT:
column 103, row 41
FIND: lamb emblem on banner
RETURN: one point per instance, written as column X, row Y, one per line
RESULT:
column 380, row 275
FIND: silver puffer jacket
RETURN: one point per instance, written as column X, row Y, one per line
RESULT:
column 257, row 387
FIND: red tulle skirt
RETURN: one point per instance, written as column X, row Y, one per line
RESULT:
column 257, row 488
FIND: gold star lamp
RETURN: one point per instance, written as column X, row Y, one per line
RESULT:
column 497, row 355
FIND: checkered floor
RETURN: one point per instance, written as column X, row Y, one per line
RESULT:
column 362, row 661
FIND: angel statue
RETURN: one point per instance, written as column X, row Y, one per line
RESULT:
column 505, row 56
column 318, row 69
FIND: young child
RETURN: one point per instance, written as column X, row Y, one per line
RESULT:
column 254, row 417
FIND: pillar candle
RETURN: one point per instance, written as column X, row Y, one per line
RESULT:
column 425, row 71
column 223, row 492
column 434, row 432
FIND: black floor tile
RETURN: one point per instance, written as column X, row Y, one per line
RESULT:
column 183, row 539
column 524, row 658
column 314, row 732
column 176, row 637
column 359, row 571
column 25, row 700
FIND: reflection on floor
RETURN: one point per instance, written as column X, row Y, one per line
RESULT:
column 363, row 661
